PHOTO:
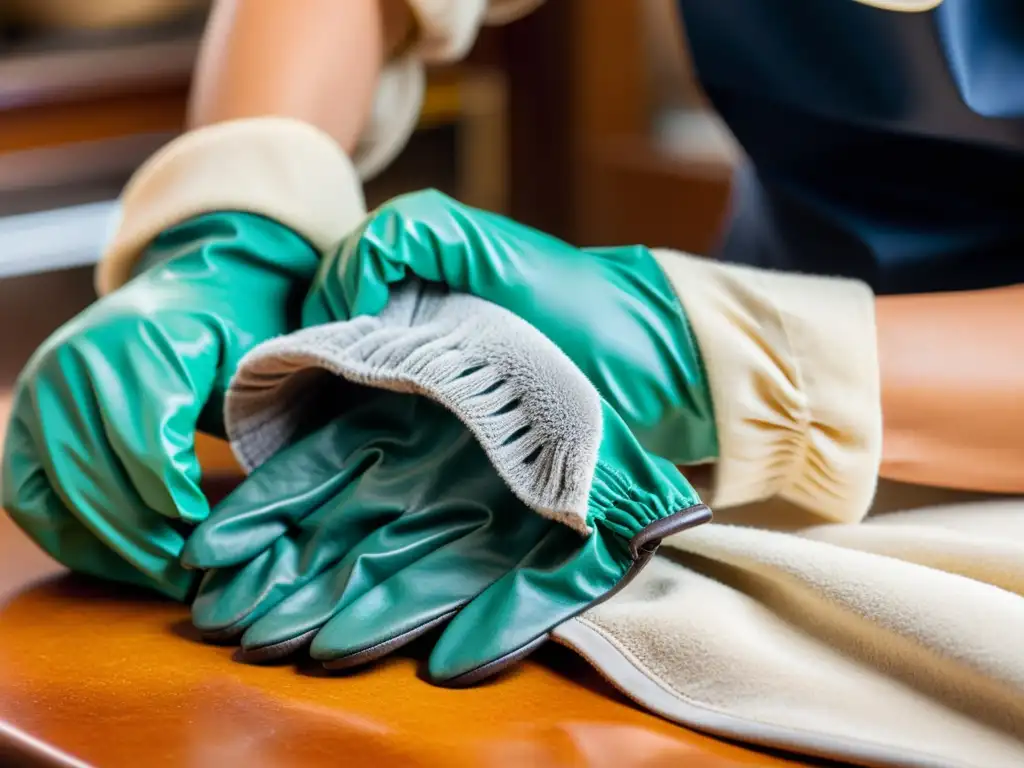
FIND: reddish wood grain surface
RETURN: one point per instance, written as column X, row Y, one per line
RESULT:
column 96, row 675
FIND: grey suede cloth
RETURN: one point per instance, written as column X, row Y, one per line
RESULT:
column 533, row 411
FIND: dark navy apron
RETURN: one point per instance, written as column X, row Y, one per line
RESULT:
column 881, row 145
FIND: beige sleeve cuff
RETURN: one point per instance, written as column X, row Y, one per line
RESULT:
column 394, row 115
column 280, row 168
column 446, row 30
column 506, row 11
column 793, row 365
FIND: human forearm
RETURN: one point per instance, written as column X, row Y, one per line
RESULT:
column 952, row 373
column 313, row 60
column 281, row 96
column 294, row 106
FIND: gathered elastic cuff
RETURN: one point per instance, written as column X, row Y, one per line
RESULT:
column 793, row 365
column 281, row 168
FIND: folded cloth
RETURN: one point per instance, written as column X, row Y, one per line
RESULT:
column 891, row 642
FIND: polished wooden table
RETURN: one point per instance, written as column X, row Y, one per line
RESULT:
column 97, row 675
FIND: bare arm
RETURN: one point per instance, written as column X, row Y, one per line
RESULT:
column 952, row 369
column 313, row 60
column 281, row 94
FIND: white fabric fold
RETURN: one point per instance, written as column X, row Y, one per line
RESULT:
column 445, row 32
column 893, row 642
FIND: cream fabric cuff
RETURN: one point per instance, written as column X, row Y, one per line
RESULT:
column 446, row 30
column 506, row 11
column 394, row 115
column 280, row 168
column 793, row 366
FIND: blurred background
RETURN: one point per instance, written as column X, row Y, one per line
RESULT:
column 582, row 119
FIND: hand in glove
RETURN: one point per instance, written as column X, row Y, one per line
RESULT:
column 611, row 310
column 788, row 362
column 99, row 467
column 397, row 516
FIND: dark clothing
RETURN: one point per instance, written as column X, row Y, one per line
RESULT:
column 882, row 145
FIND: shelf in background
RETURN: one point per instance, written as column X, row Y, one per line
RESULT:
column 59, row 238
column 55, row 67
column 80, row 112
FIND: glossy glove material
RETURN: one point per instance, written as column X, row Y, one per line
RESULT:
column 99, row 467
column 611, row 310
column 391, row 520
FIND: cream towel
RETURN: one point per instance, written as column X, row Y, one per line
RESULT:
column 897, row 641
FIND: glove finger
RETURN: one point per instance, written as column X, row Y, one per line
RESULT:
column 304, row 483
column 388, row 550
column 303, row 479
column 264, row 507
column 439, row 240
column 557, row 580
column 427, row 593
column 166, row 368
column 231, row 599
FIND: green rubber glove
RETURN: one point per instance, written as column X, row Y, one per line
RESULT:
column 391, row 520
column 99, row 462
column 611, row 310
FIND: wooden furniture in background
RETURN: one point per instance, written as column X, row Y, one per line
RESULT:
column 77, row 117
column 558, row 116
column 97, row 14
column 93, row 674
column 588, row 164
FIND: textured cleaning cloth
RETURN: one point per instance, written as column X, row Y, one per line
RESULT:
column 893, row 642
column 529, row 406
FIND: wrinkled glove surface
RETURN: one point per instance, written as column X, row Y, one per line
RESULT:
column 611, row 310
column 490, row 488
column 99, row 462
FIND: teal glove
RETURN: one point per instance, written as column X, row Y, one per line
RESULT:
column 99, row 463
column 391, row 520
column 611, row 310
